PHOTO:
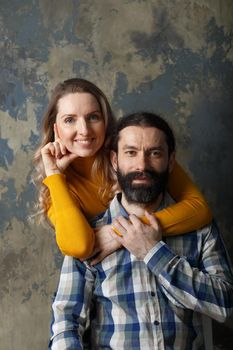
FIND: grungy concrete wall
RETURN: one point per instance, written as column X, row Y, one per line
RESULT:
column 172, row 57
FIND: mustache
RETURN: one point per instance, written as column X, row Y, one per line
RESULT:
column 138, row 174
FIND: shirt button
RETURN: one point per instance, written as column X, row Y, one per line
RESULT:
column 152, row 294
column 156, row 323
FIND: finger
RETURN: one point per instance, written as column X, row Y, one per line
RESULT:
column 57, row 139
column 63, row 148
column 72, row 156
column 134, row 219
column 117, row 231
column 123, row 222
column 57, row 147
column 102, row 254
column 119, row 225
column 98, row 258
column 48, row 149
column 152, row 219
column 117, row 236
column 56, row 133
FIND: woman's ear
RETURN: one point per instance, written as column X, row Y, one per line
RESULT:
column 113, row 158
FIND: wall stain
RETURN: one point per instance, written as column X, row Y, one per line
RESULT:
column 173, row 58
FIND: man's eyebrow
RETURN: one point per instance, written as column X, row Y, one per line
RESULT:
column 130, row 147
column 154, row 148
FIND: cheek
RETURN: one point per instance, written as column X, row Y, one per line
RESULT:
column 100, row 131
column 125, row 165
column 63, row 132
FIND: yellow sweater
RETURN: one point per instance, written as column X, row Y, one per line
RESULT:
column 75, row 198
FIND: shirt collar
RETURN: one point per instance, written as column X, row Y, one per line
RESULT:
column 116, row 209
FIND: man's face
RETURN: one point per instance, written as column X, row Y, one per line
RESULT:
column 142, row 163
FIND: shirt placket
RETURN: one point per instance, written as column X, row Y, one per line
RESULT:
column 155, row 315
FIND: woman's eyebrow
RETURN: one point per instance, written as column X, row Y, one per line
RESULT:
column 97, row 111
column 75, row 115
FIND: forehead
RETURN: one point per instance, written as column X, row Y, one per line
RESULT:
column 146, row 137
column 78, row 100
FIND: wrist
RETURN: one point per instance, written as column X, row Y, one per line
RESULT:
column 52, row 172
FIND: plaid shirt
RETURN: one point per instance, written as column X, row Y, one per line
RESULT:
column 151, row 304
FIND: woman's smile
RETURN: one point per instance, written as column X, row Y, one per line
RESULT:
column 80, row 123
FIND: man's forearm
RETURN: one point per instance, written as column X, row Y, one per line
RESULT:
column 208, row 290
column 68, row 340
column 71, row 305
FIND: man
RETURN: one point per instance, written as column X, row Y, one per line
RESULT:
column 150, row 294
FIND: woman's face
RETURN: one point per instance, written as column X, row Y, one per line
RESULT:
column 80, row 123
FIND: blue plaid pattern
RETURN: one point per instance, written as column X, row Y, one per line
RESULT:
column 123, row 303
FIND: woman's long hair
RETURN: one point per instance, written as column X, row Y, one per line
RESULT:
column 101, row 165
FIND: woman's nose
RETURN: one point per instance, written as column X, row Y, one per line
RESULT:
column 82, row 127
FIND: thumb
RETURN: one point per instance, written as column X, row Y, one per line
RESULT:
column 72, row 156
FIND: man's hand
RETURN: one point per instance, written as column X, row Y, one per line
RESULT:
column 105, row 244
column 137, row 237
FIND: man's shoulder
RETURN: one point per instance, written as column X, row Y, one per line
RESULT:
column 212, row 227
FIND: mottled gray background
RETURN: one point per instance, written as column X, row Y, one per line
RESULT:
column 172, row 57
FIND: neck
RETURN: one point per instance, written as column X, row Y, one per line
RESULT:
column 139, row 208
column 83, row 165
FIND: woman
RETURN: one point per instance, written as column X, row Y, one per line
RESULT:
column 74, row 173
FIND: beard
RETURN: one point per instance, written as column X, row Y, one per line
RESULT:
column 143, row 193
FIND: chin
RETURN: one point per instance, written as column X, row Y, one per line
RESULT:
column 85, row 153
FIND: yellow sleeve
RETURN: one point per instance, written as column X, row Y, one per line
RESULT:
column 74, row 235
column 191, row 211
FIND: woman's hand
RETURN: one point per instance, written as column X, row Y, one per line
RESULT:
column 55, row 156
column 105, row 244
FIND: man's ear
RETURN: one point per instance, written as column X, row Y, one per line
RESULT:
column 113, row 158
column 171, row 163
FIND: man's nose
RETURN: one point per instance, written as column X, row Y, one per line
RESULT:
column 141, row 163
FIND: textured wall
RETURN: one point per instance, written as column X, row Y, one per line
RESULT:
column 173, row 57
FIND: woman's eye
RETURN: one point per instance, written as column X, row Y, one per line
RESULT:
column 69, row 120
column 93, row 117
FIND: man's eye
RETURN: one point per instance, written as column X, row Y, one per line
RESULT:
column 130, row 153
column 155, row 153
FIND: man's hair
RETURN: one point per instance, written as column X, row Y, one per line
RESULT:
column 144, row 119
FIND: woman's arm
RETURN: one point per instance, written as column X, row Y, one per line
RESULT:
column 191, row 211
column 74, row 235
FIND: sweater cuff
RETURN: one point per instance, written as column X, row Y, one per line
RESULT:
column 54, row 180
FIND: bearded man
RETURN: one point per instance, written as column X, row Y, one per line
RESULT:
column 151, row 293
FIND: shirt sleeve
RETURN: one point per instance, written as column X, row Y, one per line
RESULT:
column 207, row 288
column 191, row 210
column 74, row 235
column 71, row 307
